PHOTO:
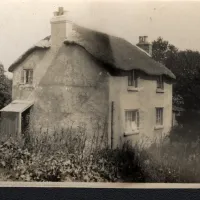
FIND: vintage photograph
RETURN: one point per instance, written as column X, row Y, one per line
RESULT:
column 100, row 91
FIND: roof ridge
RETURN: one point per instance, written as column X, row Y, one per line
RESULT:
column 110, row 49
column 117, row 37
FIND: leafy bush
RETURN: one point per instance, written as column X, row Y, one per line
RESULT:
column 29, row 166
column 162, row 162
column 124, row 164
column 100, row 166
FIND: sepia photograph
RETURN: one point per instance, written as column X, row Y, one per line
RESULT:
column 100, row 91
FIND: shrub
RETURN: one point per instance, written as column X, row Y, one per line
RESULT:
column 101, row 165
column 124, row 164
column 29, row 166
column 162, row 162
column 173, row 163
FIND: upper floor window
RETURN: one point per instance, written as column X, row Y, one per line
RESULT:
column 27, row 76
column 133, row 79
column 159, row 116
column 131, row 120
column 160, row 82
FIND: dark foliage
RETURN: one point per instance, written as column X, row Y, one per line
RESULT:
column 100, row 166
column 169, row 163
column 186, row 66
column 5, row 88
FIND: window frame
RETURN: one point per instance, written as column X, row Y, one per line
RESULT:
column 160, row 83
column 133, row 79
column 159, row 116
column 27, row 76
column 135, row 114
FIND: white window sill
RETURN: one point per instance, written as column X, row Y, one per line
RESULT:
column 133, row 89
column 26, row 85
column 159, row 90
column 131, row 133
column 157, row 127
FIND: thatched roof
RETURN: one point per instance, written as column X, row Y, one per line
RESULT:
column 113, row 51
column 43, row 44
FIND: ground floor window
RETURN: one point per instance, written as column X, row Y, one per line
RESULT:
column 131, row 120
column 159, row 116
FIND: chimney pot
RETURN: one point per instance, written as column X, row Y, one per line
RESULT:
column 61, row 10
column 61, row 27
column 143, row 39
column 140, row 39
column 144, row 44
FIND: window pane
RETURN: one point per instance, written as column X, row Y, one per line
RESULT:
column 131, row 120
column 31, row 77
column 160, row 83
column 22, row 76
column 133, row 113
column 136, row 82
column 129, row 80
column 28, row 74
column 126, row 117
column 136, row 79
column 159, row 116
column 137, row 119
column 132, row 79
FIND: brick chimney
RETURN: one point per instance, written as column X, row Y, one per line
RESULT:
column 60, row 27
column 144, row 44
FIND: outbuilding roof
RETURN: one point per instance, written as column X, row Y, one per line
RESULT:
column 17, row 106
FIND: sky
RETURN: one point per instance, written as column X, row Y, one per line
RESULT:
column 25, row 22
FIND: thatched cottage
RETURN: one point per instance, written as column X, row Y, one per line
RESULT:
column 91, row 79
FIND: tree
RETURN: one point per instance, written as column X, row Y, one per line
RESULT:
column 186, row 89
column 166, row 53
column 5, row 88
column 186, row 67
column 162, row 50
